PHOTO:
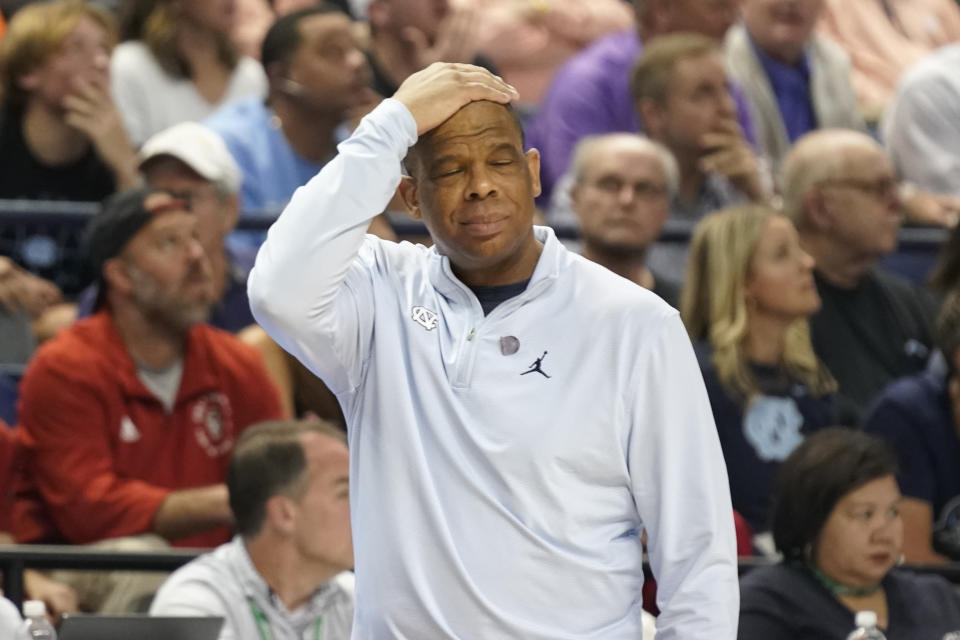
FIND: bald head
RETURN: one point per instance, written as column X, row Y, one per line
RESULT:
column 818, row 157
column 621, row 193
column 591, row 149
column 839, row 189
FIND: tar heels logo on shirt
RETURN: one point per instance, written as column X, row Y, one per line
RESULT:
column 772, row 426
column 424, row 317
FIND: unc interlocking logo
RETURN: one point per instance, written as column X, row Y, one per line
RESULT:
column 772, row 425
column 424, row 317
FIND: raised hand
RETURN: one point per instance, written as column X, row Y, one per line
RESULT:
column 434, row 94
column 59, row 597
column 90, row 109
column 728, row 154
column 456, row 39
column 924, row 207
column 21, row 290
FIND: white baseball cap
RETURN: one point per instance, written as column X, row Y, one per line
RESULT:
column 198, row 147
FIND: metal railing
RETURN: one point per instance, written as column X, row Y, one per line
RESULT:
column 14, row 559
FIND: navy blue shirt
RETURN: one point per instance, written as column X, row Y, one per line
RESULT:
column 915, row 416
column 756, row 442
column 791, row 86
column 786, row 603
column 493, row 296
column 871, row 335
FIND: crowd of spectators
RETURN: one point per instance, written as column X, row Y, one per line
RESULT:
column 789, row 142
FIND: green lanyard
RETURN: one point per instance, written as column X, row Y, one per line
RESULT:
column 838, row 588
column 263, row 623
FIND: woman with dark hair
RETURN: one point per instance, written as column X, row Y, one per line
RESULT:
column 836, row 521
column 178, row 63
column 748, row 295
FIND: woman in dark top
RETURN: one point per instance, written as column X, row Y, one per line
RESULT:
column 836, row 521
column 61, row 136
column 748, row 295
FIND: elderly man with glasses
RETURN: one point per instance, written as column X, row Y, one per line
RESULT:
column 839, row 189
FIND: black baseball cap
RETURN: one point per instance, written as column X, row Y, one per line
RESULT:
column 120, row 218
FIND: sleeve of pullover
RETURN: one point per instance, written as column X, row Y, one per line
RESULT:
column 310, row 287
column 682, row 493
column 71, row 462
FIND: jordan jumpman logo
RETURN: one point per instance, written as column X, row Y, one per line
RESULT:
column 535, row 367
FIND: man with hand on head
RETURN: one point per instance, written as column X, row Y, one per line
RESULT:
column 286, row 574
column 488, row 500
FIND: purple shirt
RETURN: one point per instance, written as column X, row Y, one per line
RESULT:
column 791, row 86
column 590, row 95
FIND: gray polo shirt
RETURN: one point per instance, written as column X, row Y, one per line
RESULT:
column 225, row 583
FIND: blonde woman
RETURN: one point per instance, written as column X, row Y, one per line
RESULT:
column 178, row 64
column 748, row 295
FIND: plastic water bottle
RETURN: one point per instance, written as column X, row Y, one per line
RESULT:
column 866, row 622
column 36, row 626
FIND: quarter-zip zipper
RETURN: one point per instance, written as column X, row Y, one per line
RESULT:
column 470, row 341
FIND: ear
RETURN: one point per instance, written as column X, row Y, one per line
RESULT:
column 816, row 210
column 117, row 275
column 410, row 194
column 378, row 14
column 231, row 213
column 29, row 82
column 280, row 514
column 532, row 157
column 275, row 71
column 576, row 190
column 651, row 116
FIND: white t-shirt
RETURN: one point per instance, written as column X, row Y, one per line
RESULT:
column 150, row 100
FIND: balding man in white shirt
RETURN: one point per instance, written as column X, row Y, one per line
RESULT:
column 285, row 576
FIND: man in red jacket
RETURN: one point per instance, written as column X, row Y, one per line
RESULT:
column 130, row 415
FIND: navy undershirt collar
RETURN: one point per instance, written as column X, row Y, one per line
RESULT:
column 491, row 297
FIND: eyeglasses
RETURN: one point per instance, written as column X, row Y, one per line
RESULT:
column 641, row 188
column 879, row 188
